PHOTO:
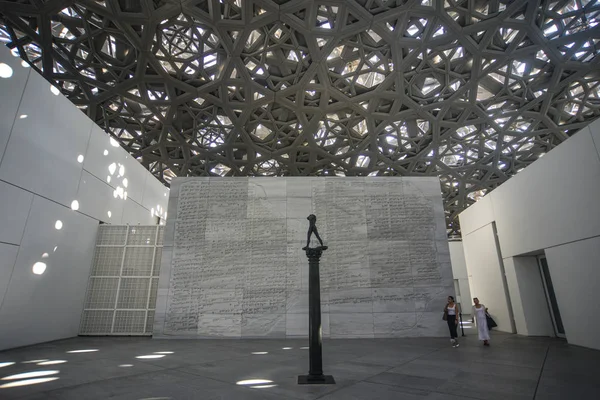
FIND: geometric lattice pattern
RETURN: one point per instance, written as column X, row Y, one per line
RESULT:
column 121, row 294
column 470, row 90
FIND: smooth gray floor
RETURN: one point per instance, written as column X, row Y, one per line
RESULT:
column 421, row 368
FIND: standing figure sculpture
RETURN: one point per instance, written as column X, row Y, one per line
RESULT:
column 312, row 228
column 315, row 328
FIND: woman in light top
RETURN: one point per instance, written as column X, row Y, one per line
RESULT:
column 479, row 315
column 451, row 310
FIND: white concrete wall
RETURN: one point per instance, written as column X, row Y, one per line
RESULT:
column 575, row 271
column 477, row 216
column 552, row 205
column 553, row 200
column 50, row 155
column 532, row 317
column 485, row 276
column 459, row 271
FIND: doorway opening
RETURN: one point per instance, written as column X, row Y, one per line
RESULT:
column 559, row 328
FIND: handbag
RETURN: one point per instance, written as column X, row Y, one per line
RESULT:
column 445, row 315
column 490, row 321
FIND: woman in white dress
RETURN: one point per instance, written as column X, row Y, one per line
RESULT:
column 482, row 326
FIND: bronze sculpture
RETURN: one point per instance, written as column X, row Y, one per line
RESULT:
column 315, row 329
column 312, row 228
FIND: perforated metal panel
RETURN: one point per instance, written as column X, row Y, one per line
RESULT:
column 107, row 261
column 150, row 322
column 102, row 293
column 111, row 235
column 141, row 236
column 159, row 238
column 97, row 321
column 138, row 261
column 157, row 258
column 133, row 293
column 153, row 292
column 122, row 288
column 130, row 321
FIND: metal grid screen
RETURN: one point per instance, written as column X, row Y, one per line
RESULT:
column 121, row 293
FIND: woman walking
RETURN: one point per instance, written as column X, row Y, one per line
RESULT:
column 482, row 326
column 451, row 316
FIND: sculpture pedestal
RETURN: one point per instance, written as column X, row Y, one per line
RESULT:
column 318, row 380
column 315, row 333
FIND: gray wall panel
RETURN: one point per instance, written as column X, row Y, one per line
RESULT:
column 235, row 267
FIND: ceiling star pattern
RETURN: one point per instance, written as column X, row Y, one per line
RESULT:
column 471, row 91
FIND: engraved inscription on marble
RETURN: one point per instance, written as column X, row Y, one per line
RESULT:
column 419, row 222
column 218, row 301
column 390, row 264
column 264, row 325
column 219, row 325
column 185, row 266
column 228, row 199
column 181, row 323
column 189, row 231
column 385, row 215
column 236, row 266
column 192, row 200
column 341, row 210
column 264, row 300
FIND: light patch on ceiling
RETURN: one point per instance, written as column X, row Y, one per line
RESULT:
column 5, row 71
column 39, row 268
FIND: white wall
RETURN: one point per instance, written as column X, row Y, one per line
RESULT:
column 552, row 205
column 485, row 276
column 42, row 136
column 553, row 200
column 474, row 218
column 532, row 317
column 575, row 272
column 459, row 271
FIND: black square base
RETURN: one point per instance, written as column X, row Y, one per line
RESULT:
column 316, row 380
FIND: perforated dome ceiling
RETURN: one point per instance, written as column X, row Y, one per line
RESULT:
column 470, row 90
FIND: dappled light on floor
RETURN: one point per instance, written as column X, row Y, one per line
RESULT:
column 27, row 382
column 32, row 374
column 82, row 351
column 157, row 398
column 52, row 362
column 28, row 378
column 256, row 383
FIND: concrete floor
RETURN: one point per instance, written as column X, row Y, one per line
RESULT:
column 421, row 368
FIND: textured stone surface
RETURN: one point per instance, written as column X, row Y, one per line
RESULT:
column 234, row 266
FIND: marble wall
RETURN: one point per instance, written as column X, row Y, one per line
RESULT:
column 233, row 264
